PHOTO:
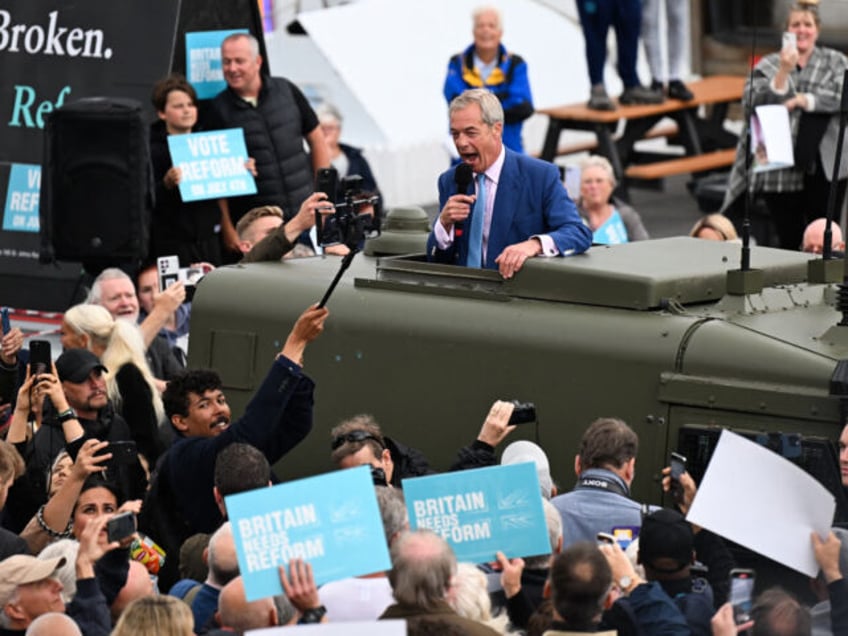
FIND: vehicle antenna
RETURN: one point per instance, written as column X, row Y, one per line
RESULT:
column 827, row 248
column 745, row 264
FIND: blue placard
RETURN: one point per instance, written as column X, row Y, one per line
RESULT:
column 212, row 164
column 482, row 511
column 332, row 521
column 22, row 198
column 203, row 61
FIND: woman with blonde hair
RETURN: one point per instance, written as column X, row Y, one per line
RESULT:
column 806, row 78
column 714, row 227
column 469, row 597
column 155, row 616
column 129, row 382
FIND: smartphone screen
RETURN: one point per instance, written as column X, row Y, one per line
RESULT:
column 741, row 594
column 790, row 40
column 123, row 452
column 120, row 526
column 327, row 182
column 678, row 465
column 40, row 358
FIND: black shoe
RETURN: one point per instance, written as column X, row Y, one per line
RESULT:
column 657, row 87
column 599, row 100
column 640, row 95
column 678, row 90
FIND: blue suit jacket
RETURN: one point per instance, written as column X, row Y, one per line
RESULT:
column 530, row 200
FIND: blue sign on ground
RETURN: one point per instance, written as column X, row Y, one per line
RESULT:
column 482, row 511
column 22, row 198
column 332, row 521
column 212, row 164
column 203, row 61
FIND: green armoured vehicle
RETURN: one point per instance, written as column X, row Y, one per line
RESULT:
column 647, row 332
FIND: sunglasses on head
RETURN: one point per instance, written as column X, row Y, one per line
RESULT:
column 354, row 436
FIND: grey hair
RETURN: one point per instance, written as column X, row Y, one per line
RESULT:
column 554, row 522
column 251, row 40
column 393, row 511
column 327, row 111
column 222, row 572
column 423, row 566
column 478, row 11
column 67, row 548
column 597, row 161
column 95, row 296
column 490, row 106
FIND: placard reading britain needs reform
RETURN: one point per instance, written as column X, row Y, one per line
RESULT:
column 213, row 164
column 332, row 521
column 482, row 511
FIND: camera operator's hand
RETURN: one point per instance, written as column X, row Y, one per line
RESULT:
column 496, row 426
column 305, row 217
column 308, row 327
column 690, row 489
column 456, row 210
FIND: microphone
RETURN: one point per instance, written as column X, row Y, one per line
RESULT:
column 463, row 176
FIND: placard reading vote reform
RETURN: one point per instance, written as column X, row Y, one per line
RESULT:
column 212, row 164
column 482, row 511
column 332, row 521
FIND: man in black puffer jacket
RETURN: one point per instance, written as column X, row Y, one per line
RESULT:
column 276, row 119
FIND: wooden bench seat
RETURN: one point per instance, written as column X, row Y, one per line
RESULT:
column 663, row 129
column 682, row 165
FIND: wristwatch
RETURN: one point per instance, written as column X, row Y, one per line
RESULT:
column 312, row 615
column 627, row 584
column 66, row 415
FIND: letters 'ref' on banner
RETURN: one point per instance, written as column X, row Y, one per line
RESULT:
column 482, row 511
column 203, row 61
column 332, row 521
column 212, row 164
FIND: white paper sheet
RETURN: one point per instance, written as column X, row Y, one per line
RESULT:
column 764, row 502
column 771, row 138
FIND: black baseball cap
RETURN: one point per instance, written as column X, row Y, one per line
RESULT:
column 75, row 365
column 665, row 533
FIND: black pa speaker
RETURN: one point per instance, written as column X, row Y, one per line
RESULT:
column 97, row 186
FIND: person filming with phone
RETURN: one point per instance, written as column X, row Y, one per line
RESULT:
column 807, row 79
column 79, row 409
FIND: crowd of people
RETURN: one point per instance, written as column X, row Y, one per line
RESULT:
column 71, row 466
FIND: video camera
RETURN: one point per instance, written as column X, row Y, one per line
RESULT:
column 349, row 225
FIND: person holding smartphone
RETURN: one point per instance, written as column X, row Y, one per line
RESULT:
column 807, row 79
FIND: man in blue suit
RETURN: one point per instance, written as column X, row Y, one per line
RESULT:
column 520, row 208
